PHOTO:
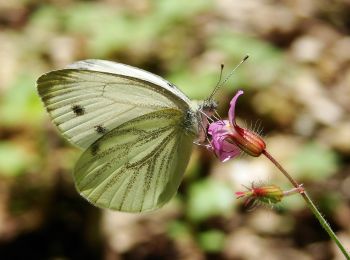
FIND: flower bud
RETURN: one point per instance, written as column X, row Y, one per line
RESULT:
column 270, row 194
column 248, row 141
column 267, row 194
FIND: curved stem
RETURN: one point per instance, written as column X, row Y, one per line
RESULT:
column 311, row 205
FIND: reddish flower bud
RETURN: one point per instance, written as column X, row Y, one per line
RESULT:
column 267, row 194
column 248, row 141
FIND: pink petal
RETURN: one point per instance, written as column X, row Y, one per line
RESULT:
column 220, row 132
column 240, row 194
column 231, row 112
column 217, row 127
column 228, row 151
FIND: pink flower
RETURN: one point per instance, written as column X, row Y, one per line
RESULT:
column 229, row 139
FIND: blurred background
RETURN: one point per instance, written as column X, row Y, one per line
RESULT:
column 297, row 91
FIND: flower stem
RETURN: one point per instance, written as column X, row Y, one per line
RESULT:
column 311, row 205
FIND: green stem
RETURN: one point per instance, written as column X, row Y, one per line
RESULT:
column 311, row 205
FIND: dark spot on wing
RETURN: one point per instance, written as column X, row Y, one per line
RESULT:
column 171, row 85
column 100, row 129
column 78, row 110
column 95, row 148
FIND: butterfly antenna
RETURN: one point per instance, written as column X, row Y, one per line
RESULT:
column 218, row 117
column 217, row 84
column 227, row 78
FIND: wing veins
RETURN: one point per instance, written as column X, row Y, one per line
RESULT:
column 141, row 138
column 149, row 157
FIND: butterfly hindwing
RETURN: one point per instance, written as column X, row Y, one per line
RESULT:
column 137, row 166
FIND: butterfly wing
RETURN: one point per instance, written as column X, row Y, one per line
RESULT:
column 137, row 166
column 127, row 70
column 89, row 98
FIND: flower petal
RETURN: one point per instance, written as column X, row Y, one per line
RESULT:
column 231, row 112
column 227, row 151
column 218, row 127
column 220, row 132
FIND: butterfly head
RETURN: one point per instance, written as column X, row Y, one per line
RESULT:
column 209, row 107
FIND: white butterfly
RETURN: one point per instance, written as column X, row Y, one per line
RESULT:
column 137, row 130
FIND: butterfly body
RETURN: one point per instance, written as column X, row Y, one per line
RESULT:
column 136, row 128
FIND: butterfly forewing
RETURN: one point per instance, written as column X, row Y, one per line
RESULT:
column 137, row 166
column 127, row 70
column 85, row 103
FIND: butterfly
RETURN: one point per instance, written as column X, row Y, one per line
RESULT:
column 136, row 129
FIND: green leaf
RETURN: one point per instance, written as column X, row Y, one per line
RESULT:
column 178, row 230
column 46, row 18
column 14, row 159
column 314, row 162
column 176, row 10
column 209, row 198
column 212, row 240
column 106, row 30
column 21, row 104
